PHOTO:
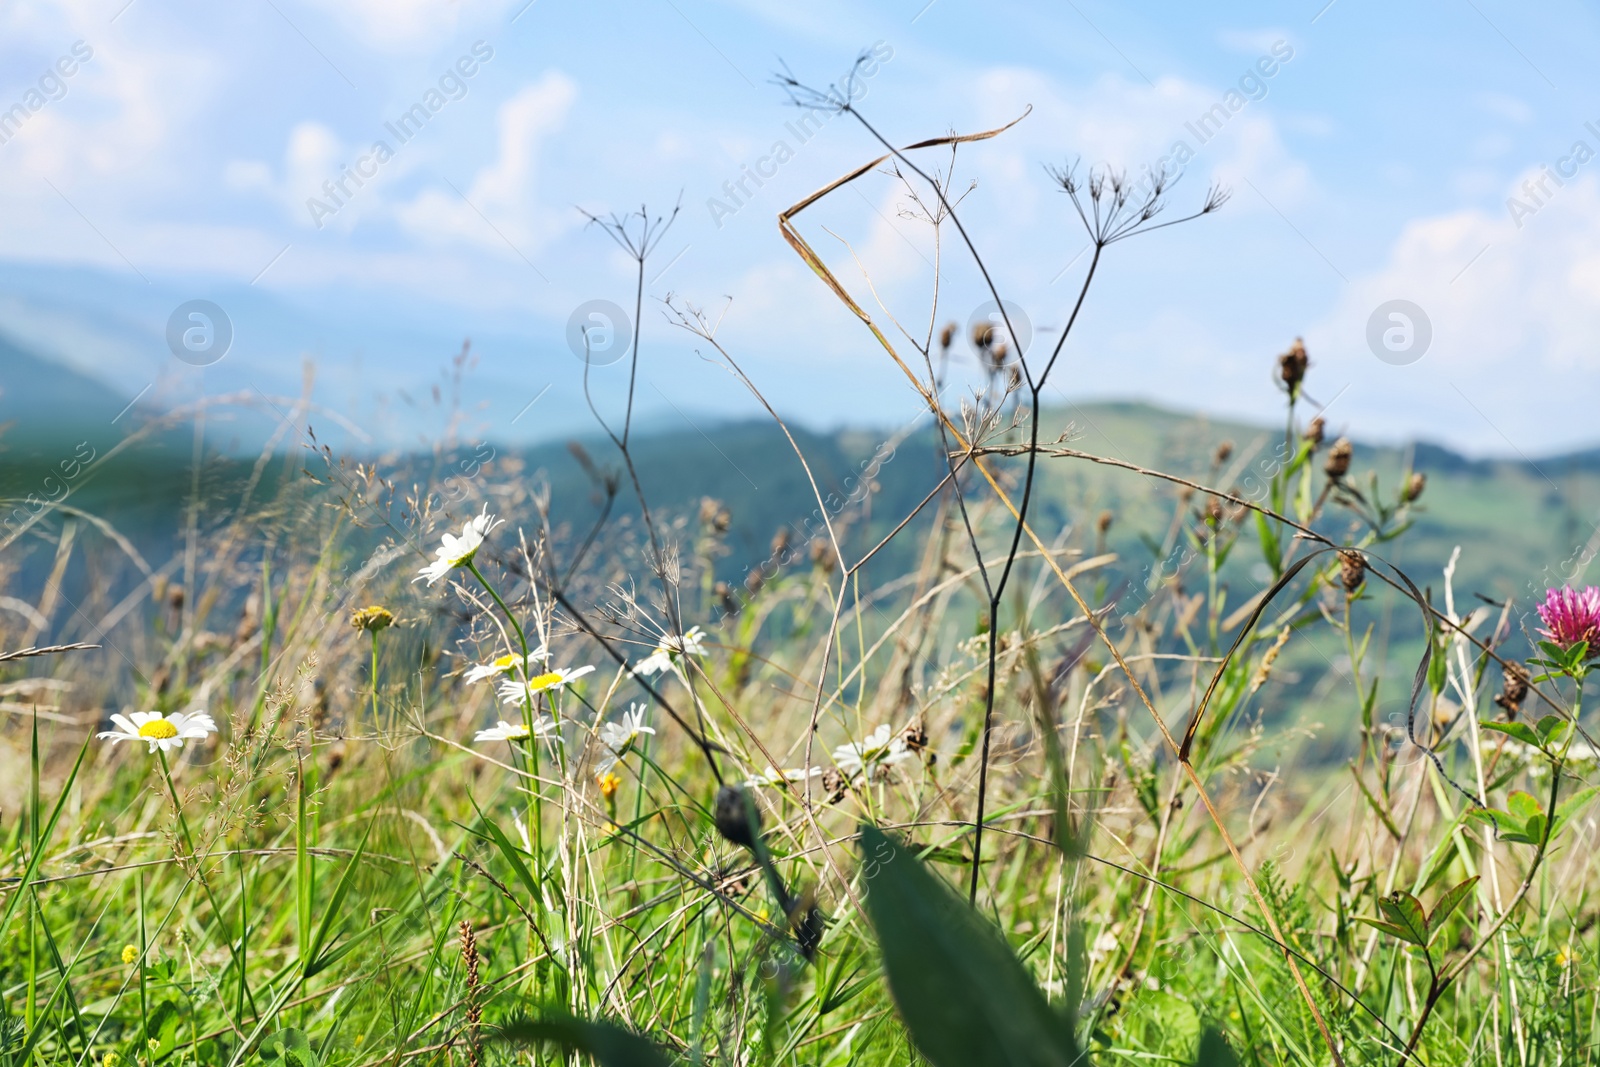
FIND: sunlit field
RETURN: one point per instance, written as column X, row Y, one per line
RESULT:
column 397, row 758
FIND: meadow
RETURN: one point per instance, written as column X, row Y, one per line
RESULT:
column 394, row 762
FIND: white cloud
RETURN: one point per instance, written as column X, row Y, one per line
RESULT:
column 506, row 191
column 409, row 25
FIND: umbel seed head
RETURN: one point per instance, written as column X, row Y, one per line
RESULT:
column 736, row 816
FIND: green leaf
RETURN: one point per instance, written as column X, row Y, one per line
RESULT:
column 1449, row 902
column 963, row 995
column 1549, row 728
column 290, row 1048
column 1378, row 924
column 1214, row 1051
column 1506, row 825
column 1573, row 804
column 1405, row 912
column 609, row 1045
column 1519, row 730
column 1522, row 806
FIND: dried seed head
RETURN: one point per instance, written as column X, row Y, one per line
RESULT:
column 947, row 335
column 1338, row 464
column 1224, row 453
column 1103, row 523
column 915, row 735
column 736, row 816
column 982, row 335
column 1212, row 515
column 1315, row 431
column 1292, row 366
column 1414, row 487
column 175, row 597
column 822, row 555
column 833, row 785
column 780, row 542
column 724, row 592
column 1352, row 571
column 713, row 515
column 1513, row 688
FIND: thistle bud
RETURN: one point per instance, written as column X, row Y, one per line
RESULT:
column 1315, row 430
column 736, row 816
column 1103, row 523
column 1414, row 487
column 947, row 335
column 1292, row 366
column 1352, row 571
column 1338, row 464
column 822, row 555
column 1224, row 453
column 982, row 334
column 780, row 543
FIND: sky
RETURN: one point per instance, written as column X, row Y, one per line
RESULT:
column 362, row 185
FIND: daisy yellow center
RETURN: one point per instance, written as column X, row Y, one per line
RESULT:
column 544, row 681
column 158, row 730
column 504, row 662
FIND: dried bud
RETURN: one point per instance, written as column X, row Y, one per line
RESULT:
column 822, row 555
column 755, row 580
column 1315, row 430
column 714, row 515
column 736, row 816
column 175, row 597
column 1212, row 515
column 915, row 735
column 982, row 334
column 1292, row 366
column 1414, row 487
column 724, row 593
column 833, row 785
column 1103, row 523
column 372, row 619
column 780, row 542
column 1338, row 464
column 1513, row 688
column 947, row 335
column 1224, row 453
column 1352, row 571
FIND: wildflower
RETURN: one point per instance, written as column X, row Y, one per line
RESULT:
column 501, row 665
column 165, row 732
column 129, row 953
column 618, row 737
column 1571, row 616
column 878, row 750
column 1565, row 956
column 458, row 551
column 372, row 619
column 111, row 1059
column 609, row 783
column 773, row 776
column 517, row 692
column 670, row 650
column 544, row 728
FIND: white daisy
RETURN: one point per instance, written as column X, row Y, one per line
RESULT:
column 501, row 665
column 514, row 692
column 665, row 657
column 458, row 551
column 618, row 737
column 773, row 776
column 878, row 750
column 165, row 732
column 544, row 728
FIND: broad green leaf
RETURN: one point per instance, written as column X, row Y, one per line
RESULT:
column 963, row 995
column 608, row 1045
column 1378, row 924
column 1550, row 728
column 1449, row 902
column 1405, row 912
column 1575, row 803
column 1214, row 1051
column 288, row 1048
column 1523, row 806
column 1519, row 730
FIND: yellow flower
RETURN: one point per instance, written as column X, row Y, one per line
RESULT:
column 372, row 619
column 111, row 1059
column 609, row 784
column 1565, row 956
column 129, row 953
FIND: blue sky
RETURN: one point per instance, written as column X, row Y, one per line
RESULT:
column 1395, row 153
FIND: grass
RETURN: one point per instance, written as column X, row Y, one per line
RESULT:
column 763, row 849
